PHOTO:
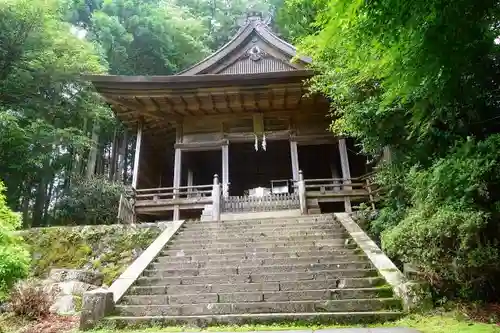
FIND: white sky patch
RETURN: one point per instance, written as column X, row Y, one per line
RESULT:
column 80, row 33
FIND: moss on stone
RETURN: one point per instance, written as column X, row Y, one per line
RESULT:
column 108, row 249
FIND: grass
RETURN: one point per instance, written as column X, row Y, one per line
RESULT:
column 437, row 323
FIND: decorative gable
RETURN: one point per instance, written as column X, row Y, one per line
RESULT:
column 254, row 49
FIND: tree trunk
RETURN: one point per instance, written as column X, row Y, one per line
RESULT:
column 114, row 157
column 48, row 199
column 38, row 208
column 125, row 156
column 26, row 205
column 91, row 162
column 122, row 157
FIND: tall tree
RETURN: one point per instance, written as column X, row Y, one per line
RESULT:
column 42, row 98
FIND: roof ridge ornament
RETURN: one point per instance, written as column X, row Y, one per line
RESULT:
column 255, row 17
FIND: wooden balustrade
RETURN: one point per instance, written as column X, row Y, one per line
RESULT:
column 279, row 201
column 171, row 193
column 337, row 189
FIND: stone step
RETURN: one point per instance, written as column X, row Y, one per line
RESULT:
column 244, row 239
column 258, row 267
column 290, row 230
column 251, row 250
column 244, row 236
column 254, row 224
column 324, row 218
column 268, row 244
column 257, row 296
column 365, row 282
column 247, row 270
column 256, row 278
column 314, row 318
column 241, row 255
column 187, row 262
column 343, row 305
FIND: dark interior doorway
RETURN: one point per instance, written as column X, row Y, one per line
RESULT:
column 249, row 168
column 319, row 161
column 204, row 165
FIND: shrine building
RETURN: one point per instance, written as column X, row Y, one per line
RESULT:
column 237, row 132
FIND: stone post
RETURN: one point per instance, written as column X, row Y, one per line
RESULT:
column 302, row 193
column 96, row 304
column 216, row 199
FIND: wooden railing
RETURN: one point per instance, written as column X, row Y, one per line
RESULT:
column 172, row 193
column 279, row 201
column 325, row 185
column 126, row 212
column 357, row 187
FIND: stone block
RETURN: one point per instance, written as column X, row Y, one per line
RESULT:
column 86, row 276
column 96, row 304
column 65, row 304
column 241, row 297
column 193, row 299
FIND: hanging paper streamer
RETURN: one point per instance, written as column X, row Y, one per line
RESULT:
column 264, row 144
column 256, row 143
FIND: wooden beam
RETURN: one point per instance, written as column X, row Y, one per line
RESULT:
column 314, row 139
column 201, row 146
column 250, row 137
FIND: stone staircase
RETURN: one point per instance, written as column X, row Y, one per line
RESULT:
column 268, row 270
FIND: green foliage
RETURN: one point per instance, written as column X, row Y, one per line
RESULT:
column 419, row 77
column 14, row 258
column 450, row 229
column 139, row 37
column 90, row 201
column 107, row 249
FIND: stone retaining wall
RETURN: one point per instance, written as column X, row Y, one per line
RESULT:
column 107, row 249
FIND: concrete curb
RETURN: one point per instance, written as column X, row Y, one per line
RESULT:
column 413, row 294
column 99, row 303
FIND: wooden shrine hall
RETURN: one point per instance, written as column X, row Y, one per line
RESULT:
column 236, row 132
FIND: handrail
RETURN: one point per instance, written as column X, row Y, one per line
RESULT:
column 173, row 188
column 317, row 180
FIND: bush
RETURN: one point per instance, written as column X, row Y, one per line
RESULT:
column 14, row 258
column 452, row 227
column 90, row 201
column 32, row 299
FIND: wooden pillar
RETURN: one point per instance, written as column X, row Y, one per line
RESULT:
column 177, row 170
column 216, row 199
column 294, row 155
column 346, row 173
column 190, row 177
column 138, row 142
column 190, row 181
column 335, row 176
column 225, row 170
column 302, row 194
